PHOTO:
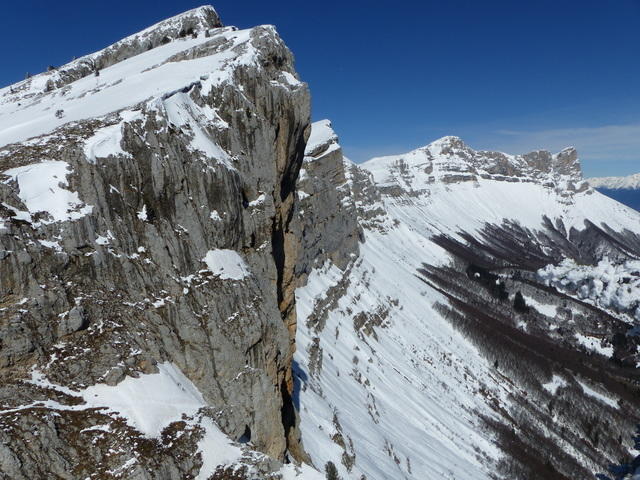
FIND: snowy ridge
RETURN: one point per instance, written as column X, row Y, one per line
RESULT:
column 631, row 182
column 450, row 160
column 118, row 86
column 193, row 22
column 449, row 187
column 34, row 107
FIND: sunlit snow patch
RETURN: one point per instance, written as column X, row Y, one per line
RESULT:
column 107, row 141
column 594, row 344
column 555, row 383
column 41, row 189
column 148, row 403
column 597, row 395
column 227, row 264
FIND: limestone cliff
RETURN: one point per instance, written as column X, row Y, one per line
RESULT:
column 146, row 197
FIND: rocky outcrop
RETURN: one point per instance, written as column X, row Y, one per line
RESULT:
column 328, row 222
column 157, row 234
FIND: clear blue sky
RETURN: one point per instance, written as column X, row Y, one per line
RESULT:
column 393, row 76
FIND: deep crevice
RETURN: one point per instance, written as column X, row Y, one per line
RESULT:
column 288, row 412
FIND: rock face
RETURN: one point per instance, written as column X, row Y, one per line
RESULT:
column 148, row 230
column 329, row 227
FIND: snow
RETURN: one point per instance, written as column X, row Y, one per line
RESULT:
column 407, row 391
column 290, row 79
column 107, row 141
column 556, row 383
column 215, row 216
column 544, row 309
column 292, row 472
column 226, row 264
column 597, row 395
column 594, row 344
column 151, row 402
column 610, row 284
column 468, row 205
column 215, row 448
column 258, row 201
column 106, row 239
column 321, row 133
column 102, row 241
column 183, row 112
column 148, row 403
column 52, row 244
column 41, row 189
column 420, row 378
column 142, row 214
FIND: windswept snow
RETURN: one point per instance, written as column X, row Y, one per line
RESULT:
column 322, row 134
column 42, row 189
column 226, row 264
column 406, row 401
column 184, row 113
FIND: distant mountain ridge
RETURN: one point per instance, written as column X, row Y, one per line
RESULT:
column 631, row 182
column 625, row 190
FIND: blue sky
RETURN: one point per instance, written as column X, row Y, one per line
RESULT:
column 393, row 76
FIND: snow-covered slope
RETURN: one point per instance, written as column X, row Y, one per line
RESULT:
column 631, row 182
column 399, row 376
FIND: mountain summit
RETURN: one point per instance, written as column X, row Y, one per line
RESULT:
column 450, row 160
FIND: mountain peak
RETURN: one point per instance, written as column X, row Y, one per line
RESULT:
column 450, row 160
column 192, row 21
column 448, row 140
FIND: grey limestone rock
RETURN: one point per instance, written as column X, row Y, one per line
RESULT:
column 122, row 286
